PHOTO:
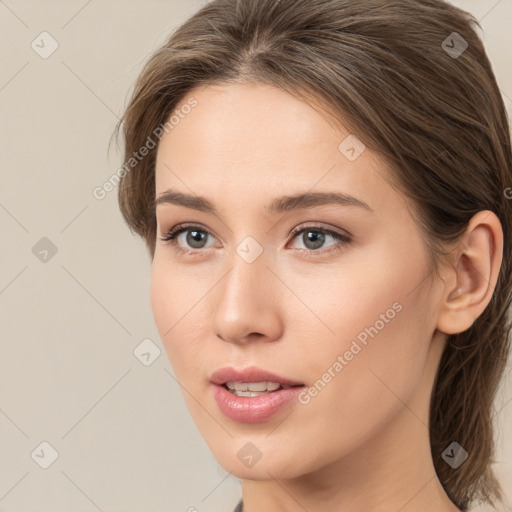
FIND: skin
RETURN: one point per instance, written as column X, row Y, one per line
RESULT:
column 362, row 442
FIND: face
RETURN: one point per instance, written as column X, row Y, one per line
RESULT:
column 332, row 297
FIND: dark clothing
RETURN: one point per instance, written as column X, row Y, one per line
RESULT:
column 239, row 507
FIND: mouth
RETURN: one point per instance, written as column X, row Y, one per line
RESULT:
column 251, row 389
column 251, row 381
column 253, row 395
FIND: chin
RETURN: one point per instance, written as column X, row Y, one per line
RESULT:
column 280, row 465
column 261, row 472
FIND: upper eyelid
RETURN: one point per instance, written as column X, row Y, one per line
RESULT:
column 186, row 226
column 337, row 231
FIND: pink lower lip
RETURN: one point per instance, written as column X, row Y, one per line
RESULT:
column 254, row 409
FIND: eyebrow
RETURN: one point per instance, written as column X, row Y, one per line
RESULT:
column 279, row 205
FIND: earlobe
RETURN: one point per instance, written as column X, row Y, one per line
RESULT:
column 470, row 282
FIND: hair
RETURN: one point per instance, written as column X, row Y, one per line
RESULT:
column 383, row 68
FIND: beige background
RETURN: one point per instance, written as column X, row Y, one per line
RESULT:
column 69, row 325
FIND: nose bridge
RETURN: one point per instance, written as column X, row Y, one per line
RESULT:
column 243, row 306
column 247, row 280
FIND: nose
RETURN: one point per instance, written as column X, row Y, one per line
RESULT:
column 248, row 303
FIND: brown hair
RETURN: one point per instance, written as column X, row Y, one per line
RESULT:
column 389, row 70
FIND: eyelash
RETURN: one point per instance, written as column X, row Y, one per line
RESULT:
column 171, row 236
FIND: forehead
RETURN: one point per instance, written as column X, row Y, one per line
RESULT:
column 264, row 117
column 248, row 142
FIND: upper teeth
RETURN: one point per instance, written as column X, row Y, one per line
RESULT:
column 253, row 386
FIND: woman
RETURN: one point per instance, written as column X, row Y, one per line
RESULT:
column 321, row 185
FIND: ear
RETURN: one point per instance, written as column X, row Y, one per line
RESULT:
column 470, row 282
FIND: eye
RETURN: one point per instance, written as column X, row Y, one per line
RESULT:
column 195, row 237
column 313, row 237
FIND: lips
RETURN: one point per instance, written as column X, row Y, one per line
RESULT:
column 251, row 374
column 253, row 407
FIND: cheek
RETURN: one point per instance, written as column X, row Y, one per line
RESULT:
column 375, row 381
column 370, row 289
column 162, row 301
column 170, row 302
column 382, row 333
